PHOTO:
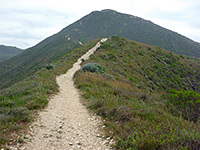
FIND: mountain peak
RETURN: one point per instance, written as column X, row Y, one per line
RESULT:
column 108, row 10
column 105, row 11
column 98, row 24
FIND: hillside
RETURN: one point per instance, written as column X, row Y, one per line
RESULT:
column 97, row 24
column 132, row 94
column 155, row 68
column 19, row 102
column 34, row 58
column 127, row 94
column 108, row 23
column 7, row 52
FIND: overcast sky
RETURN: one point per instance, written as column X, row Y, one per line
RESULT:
column 24, row 23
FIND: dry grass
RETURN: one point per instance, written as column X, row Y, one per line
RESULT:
column 20, row 102
column 131, row 102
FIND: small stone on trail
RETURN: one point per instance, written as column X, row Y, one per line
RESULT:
column 98, row 135
column 71, row 144
column 45, row 136
column 78, row 143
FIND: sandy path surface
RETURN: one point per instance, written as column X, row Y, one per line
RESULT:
column 66, row 124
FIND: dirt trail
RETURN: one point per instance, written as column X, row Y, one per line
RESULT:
column 66, row 124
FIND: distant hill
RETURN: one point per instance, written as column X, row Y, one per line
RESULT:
column 7, row 52
column 34, row 58
column 97, row 24
column 108, row 23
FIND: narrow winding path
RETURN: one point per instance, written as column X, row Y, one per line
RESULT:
column 66, row 124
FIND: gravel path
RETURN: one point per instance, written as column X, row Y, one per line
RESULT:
column 66, row 124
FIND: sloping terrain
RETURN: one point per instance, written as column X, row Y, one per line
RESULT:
column 127, row 94
column 134, row 95
column 65, row 123
column 97, row 24
column 32, row 59
column 7, row 52
column 108, row 23
column 19, row 102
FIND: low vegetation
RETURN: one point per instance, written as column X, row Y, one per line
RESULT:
column 33, row 59
column 131, row 87
column 93, row 67
column 140, row 110
column 20, row 102
column 187, row 102
column 49, row 66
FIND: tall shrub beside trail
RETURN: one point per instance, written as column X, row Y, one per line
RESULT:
column 187, row 102
column 93, row 67
column 49, row 66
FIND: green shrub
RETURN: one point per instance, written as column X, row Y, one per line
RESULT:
column 108, row 76
column 141, row 53
column 6, row 103
column 93, row 67
column 132, row 79
column 18, row 111
column 105, row 46
column 187, row 102
column 149, row 48
column 49, row 66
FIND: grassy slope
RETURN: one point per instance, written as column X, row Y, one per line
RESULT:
column 128, row 96
column 32, row 59
column 95, row 25
column 19, row 102
column 130, row 102
column 108, row 23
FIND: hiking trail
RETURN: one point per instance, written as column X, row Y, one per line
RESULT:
column 66, row 124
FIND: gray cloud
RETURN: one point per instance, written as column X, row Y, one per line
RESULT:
column 25, row 27
column 25, row 23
